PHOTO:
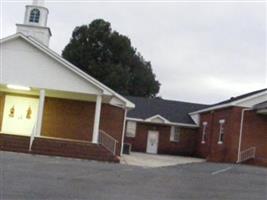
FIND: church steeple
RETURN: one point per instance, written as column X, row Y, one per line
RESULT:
column 35, row 22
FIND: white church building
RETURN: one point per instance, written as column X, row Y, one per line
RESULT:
column 49, row 106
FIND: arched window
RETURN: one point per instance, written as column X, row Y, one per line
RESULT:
column 35, row 15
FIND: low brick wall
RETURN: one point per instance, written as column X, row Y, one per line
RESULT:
column 56, row 147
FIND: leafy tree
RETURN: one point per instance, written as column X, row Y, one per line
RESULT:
column 110, row 58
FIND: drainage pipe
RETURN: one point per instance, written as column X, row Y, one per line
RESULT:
column 241, row 134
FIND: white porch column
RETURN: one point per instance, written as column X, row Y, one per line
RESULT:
column 97, row 119
column 40, row 112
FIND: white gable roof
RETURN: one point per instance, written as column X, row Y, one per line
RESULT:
column 158, row 119
column 27, row 62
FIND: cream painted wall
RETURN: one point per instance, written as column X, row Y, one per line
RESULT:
column 19, row 124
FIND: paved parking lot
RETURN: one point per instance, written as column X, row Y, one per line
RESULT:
column 39, row 177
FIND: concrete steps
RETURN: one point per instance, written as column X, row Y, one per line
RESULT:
column 56, row 147
column 14, row 143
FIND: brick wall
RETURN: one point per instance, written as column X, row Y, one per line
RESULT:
column 185, row 146
column 72, row 119
column 75, row 120
column 254, row 134
column 112, row 121
column 68, row 119
column 226, row 152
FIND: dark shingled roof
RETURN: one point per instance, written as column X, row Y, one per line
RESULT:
column 240, row 97
column 174, row 111
column 262, row 105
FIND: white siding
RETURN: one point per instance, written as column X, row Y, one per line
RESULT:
column 23, row 64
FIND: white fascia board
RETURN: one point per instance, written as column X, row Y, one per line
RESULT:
column 106, row 90
column 234, row 103
column 210, row 108
column 170, row 123
column 157, row 116
column 262, row 111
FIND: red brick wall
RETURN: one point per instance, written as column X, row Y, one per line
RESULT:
column 255, row 134
column 226, row 152
column 75, row 120
column 185, row 146
column 112, row 121
column 68, row 119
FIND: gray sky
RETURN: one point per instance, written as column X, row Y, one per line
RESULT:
column 200, row 52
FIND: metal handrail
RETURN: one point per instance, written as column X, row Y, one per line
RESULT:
column 108, row 141
column 32, row 136
column 247, row 154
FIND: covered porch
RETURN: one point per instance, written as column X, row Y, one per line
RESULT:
column 59, row 123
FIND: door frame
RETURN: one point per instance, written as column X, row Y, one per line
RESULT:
column 157, row 133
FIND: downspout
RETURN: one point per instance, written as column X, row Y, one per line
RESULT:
column 241, row 134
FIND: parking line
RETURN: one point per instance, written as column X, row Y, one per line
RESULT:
column 221, row 170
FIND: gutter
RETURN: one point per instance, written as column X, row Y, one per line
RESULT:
column 241, row 134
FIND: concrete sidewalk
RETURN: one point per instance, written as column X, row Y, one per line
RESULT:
column 155, row 160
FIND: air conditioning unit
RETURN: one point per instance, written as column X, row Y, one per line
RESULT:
column 127, row 147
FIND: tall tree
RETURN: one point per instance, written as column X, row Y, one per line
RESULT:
column 110, row 58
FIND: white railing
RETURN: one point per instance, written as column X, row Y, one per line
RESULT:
column 108, row 142
column 247, row 154
column 32, row 136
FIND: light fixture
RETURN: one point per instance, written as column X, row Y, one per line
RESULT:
column 18, row 87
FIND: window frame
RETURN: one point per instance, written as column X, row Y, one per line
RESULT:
column 204, row 132
column 131, row 131
column 221, row 131
column 174, row 131
column 35, row 17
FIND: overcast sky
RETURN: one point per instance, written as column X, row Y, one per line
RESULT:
column 200, row 52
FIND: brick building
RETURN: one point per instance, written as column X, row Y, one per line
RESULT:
column 232, row 131
column 47, row 105
column 161, row 126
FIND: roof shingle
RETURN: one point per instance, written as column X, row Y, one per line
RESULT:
column 174, row 111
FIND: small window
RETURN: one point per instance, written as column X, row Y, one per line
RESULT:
column 221, row 131
column 131, row 129
column 175, row 134
column 35, row 15
column 204, row 132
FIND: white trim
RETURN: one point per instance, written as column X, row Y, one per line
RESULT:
column 222, row 121
column 170, row 123
column 221, row 131
column 40, row 113
column 204, row 132
column 233, row 103
column 132, row 132
column 157, row 116
column 123, row 130
column 95, row 136
column 70, row 66
column 173, row 132
column 262, row 111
